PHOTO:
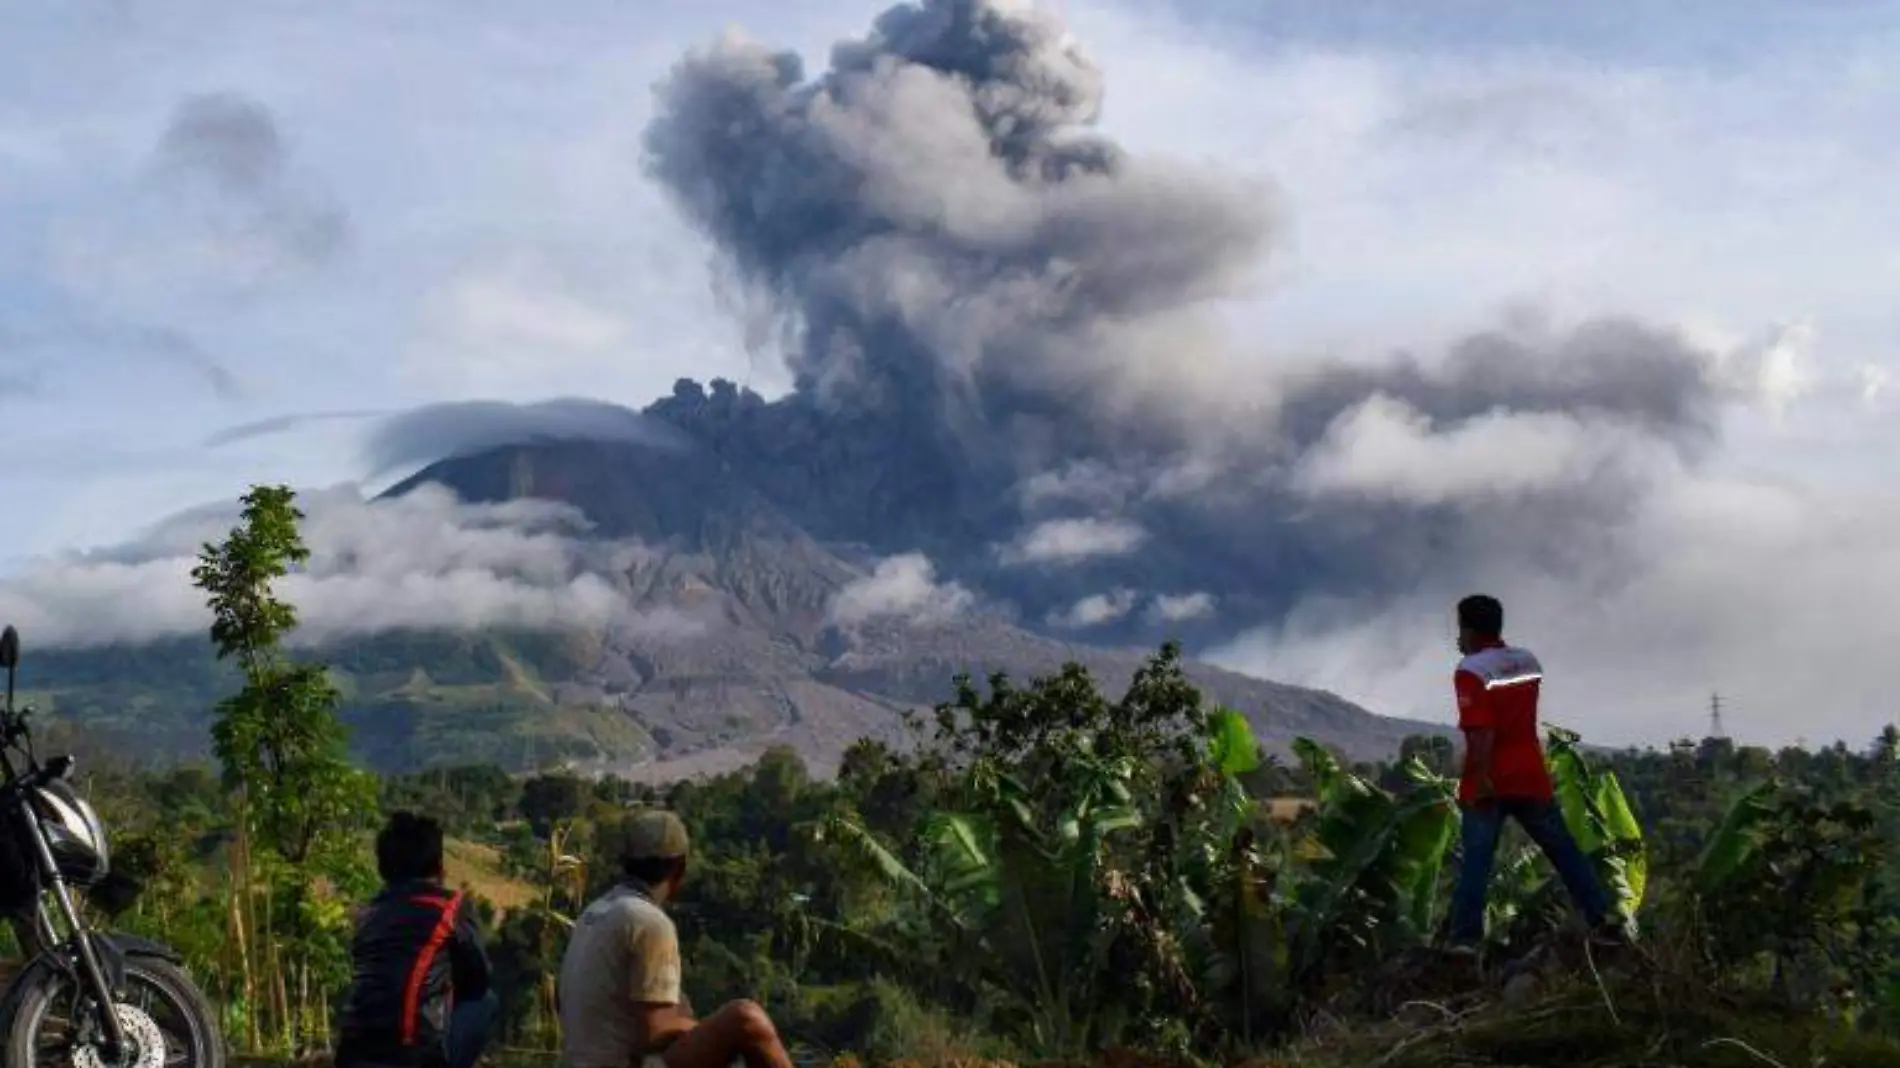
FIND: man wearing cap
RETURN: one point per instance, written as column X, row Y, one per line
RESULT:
column 619, row 993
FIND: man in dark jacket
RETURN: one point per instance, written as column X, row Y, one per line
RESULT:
column 420, row 997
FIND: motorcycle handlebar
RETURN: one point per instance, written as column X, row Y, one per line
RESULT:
column 57, row 768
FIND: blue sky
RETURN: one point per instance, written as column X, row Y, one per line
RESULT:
column 472, row 171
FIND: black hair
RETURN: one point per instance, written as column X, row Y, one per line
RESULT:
column 651, row 870
column 1482, row 615
column 409, row 847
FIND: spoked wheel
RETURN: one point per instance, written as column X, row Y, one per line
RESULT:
column 166, row 1021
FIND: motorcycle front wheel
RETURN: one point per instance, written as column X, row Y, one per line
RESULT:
column 167, row 1022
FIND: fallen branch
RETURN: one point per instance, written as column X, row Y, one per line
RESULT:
column 1456, row 1025
column 1745, row 1048
column 1442, row 1010
column 1591, row 959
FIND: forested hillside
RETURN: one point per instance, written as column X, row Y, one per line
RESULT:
column 1167, row 907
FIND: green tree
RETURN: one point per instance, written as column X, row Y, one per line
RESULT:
column 278, row 737
column 548, row 799
column 284, row 753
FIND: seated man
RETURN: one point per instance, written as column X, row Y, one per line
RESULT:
column 420, row 997
column 619, row 991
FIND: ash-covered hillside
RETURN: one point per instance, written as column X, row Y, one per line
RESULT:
column 744, row 629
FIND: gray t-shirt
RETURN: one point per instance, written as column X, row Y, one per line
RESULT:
column 624, row 953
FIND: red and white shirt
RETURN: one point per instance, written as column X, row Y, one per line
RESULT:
column 1497, row 687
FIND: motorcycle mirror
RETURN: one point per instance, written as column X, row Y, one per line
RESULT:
column 9, row 659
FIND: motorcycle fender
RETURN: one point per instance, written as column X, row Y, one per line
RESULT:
column 113, row 947
column 131, row 945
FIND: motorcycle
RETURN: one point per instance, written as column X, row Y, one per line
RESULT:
column 55, row 1011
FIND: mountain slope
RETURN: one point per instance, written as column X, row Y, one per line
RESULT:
column 730, row 561
column 526, row 700
column 767, row 665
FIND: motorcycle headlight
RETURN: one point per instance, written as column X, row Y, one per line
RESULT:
column 95, row 830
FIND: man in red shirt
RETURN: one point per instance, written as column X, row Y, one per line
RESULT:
column 1504, row 772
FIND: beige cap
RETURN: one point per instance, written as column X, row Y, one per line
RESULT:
column 652, row 834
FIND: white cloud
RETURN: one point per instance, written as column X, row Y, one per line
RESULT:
column 1786, row 374
column 1090, row 483
column 1383, row 448
column 1873, row 381
column 1067, row 541
column 424, row 560
column 1179, row 608
column 1777, row 596
column 1095, row 610
column 518, row 310
column 1428, row 184
column 905, row 587
column 1775, row 370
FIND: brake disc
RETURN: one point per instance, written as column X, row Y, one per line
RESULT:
column 147, row 1042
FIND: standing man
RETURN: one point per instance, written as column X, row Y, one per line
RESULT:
column 619, row 993
column 420, row 997
column 1497, row 686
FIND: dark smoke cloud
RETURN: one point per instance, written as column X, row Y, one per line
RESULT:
column 936, row 220
column 182, row 349
column 226, row 150
column 1610, row 369
column 37, row 347
column 226, row 138
column 1006, row 307
column 219, row 211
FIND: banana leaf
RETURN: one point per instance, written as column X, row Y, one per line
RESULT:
column 1599, row 817
column 1625, row 837
column 1428, row 824
column 1231, row 748
column 1377, row 878
column 863, row 845
column 961, row 851
column 1734, row 842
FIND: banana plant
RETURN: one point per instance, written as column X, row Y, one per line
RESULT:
column 1020, row 895
column 1521, row 893
column 1599, row 816
column 1375, row 885
column 1233, row 919
column 1736, row 841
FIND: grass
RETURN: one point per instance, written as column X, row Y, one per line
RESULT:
column 478, row 868
column 1570, row 1029
column 1575, row 1026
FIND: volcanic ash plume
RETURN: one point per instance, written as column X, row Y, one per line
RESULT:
column 934, row 217
column 965, row 266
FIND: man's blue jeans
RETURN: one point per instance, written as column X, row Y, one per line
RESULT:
column 468, row 1036
column 469, row 1027
column 1544, row 822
